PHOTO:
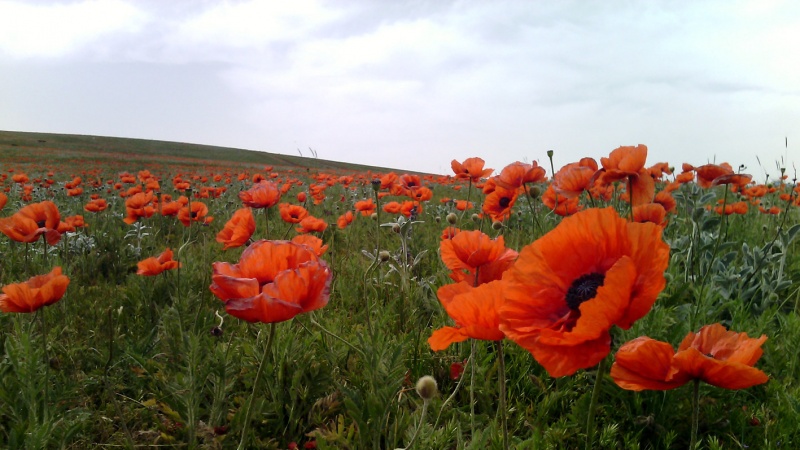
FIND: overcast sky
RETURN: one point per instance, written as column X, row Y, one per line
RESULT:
column 414, row 84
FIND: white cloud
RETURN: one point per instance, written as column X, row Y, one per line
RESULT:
column 47, row 31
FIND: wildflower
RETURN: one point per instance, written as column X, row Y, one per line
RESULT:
column 272, row 282
column 344, row 220
column 263, row 194
column 32, row 221
column 474, row 257
column 155, row 265
column 474, row 311
column 311, row 223
column 471, row 169
column 568, row 288
column 366, row 207
column 292, row 213
column 314, row 243
column 715, row 355
column 627, row 162
column 199, row 213
column 38, row 291
column 96, row 205
column 238, row 230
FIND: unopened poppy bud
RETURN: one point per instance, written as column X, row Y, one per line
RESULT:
column 476, row 218
column 384, row 255
column 216, row 331
column 438, row 219
column 497, row 225
column 396, row 227
column 535, row 191
column 549, row 153
column 452, row 218
column 376, row 184
column 374, row 216
column 426, row 387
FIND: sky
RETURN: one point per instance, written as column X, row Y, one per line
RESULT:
column 414, row 84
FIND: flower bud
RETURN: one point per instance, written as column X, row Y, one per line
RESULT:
column 452, row 218
column 384, row 255
column 497, row 225
column 426, row 387
column 396, row 227
column 374, row 216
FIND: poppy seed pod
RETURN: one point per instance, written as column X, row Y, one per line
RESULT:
column 497, row 225
column 384, row 255
column 374, row 216
column 535, row 191
column 452, row 218
column 476, row 218
column 427, row 387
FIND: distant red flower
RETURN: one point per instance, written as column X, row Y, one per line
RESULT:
column 292, row 213
column 311, row 223
column 238, row 230
column 471, row 169
column 155, row 265
column 366, row 207
column 516, row 174
column 96, row 205
column 312, row 242
column 272, row 282
column 344, row 220
column 262, row 195
column 199, row 213
column 3, row 200
column 499, row 202
column 627, row 163
column 37, row 292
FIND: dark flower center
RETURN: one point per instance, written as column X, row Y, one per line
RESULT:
column 41, row 223
column 584, row 288
column 193, row 214
column 504, row 201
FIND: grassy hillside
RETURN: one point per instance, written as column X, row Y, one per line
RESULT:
column 59, row 148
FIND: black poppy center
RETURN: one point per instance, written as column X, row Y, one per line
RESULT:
column 193, row 214
column 41, row 223
column 504, row 201
column 584, row 288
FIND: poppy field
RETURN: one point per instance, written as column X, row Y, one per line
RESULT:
column 189, row 301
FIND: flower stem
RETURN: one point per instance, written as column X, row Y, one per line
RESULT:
column 421, row 419
column 243, row 441
column 695, row 413
column 601, row 370
column 501, row 376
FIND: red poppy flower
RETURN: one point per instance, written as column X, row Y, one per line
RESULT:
column 449, row 232
column 706, row 174
column 471, row 254
column 38, row 291
column 71, row 223
column 715, row 355
column 238, row 229
column 627, row 163
column 312, row 242
column 262, row 195
column 474, row 311
column 96, row 205
column 574, row 178
column 650, row 212
column 560, row 204
column 292, row 213
column 471, row 169
column 514, row 175
column 32, row 221
column 311, row 223
column 273, row 282
column 199, row 213
column 567, row 289
column 3, row 200
column 155, row 265
column 499, row 202
column 137, row 206
column 366, row 207
column 344, row 220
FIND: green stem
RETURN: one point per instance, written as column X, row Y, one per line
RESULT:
column 472, row 389
column 45, row 405
column 421, row 419
column 695, row 413
column 502, row 381
column 601, row 370
column 450, row 398
column 243, row 441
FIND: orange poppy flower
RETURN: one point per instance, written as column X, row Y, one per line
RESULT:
column 272, row 282
column 650, row 212
column 627, row 163
column 32, row 221
column 568, row 288
column 574, row 178
column 311, row 223
column 312, row 242
column 463, row 205
column 20, row 178
column 292, row 213
column 3, row 200
column 715, row 355
column 137, row 206
column 38, row 291
column 706, row 174
column 560, row 204
column 238, row 229
column 474, row 311
column 366, row 207
column 155, row 265
column 420, row 193
column 199, row 213
column 516, row 174
column 471, row 254
column 71, row 223
column 392, row 207
column 96, row 205
column 344, row 220
column 665, row 199
column 736, row 179
column 263, row 194
column 499, row 202
column 471, row 169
